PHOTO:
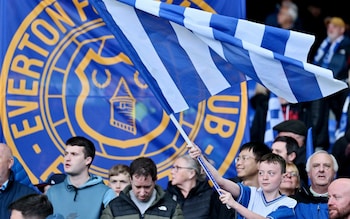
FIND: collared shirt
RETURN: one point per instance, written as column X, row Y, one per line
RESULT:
column 315, row 194
column 4, row 186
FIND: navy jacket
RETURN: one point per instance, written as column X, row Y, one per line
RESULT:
column 13, row 191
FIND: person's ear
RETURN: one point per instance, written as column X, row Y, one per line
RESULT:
column 88, row 161
column 291, row 157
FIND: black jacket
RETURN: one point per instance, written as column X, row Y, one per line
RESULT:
column 199, row 204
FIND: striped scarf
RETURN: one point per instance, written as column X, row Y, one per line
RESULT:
column 326, row 51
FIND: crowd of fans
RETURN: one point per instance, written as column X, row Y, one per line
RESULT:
column 280, row 181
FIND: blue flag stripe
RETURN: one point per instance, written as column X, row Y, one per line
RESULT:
column 274, row 116
column 179, row 56
column 270, row 54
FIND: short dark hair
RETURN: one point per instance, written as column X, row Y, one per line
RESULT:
column 259, row 149
column 291, row 143
column 274, row 158
column 89, row 147
column 33, row 205
column 143, row 166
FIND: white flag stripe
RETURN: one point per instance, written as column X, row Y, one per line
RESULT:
column 274, row 116
column 268, row 74
column 141, row 43
column 272, row 56
column 324, row 77
column 199, row 51
column 294, row 51
column 244, row 33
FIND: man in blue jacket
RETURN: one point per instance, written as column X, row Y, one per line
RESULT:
column 10, row 190
column 81, row 195
column 312, row 201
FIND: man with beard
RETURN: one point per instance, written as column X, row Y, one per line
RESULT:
column 339, row 199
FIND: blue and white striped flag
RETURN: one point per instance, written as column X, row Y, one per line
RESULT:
column 185, row 52
column 343, row 120
column 274, row 116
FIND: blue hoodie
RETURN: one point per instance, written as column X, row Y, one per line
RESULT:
column 86, row 201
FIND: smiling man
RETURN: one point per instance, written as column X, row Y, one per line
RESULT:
column 143, row 198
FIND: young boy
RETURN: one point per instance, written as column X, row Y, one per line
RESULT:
column 118, row 177
column 251, row 202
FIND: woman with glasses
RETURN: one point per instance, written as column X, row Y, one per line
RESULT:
column 190, row 188
column 291, row 180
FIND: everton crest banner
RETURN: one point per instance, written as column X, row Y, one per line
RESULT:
column 64, row 74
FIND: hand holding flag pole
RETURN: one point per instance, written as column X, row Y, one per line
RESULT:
column 190, row 144
column 201, row 162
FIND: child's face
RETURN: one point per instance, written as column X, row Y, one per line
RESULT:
column 119, row 182
column 270, row 176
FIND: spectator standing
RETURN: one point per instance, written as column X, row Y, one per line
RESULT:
column 287, row 148
column 297, row 130
column 263, row 202
column 247, row 163
column 291, row 180
column 312, row 201
column 82, row 195
column 333, row 54
column 118, row 177
column 341, row 152
column 339, row 199
column 286, row 16
column 143, row 198
column 10, row 190
column 190, row 188
column 247, row 168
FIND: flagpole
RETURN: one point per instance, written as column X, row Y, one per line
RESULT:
column 189, row 142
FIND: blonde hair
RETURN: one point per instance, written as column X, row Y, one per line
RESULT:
column 295, row 169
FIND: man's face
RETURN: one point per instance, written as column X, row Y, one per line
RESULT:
column 334, row 31
column 321, row 170
column 339, row 199
column 280, row 148
column 74, row 160
column 142, row 187
column 119, row 182
column 246, row 164
column 299, row 138
column 182, row 172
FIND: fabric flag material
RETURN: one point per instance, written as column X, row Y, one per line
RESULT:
column 163, row 36
column 309, row 143
column 274, row 116
column 343, row 120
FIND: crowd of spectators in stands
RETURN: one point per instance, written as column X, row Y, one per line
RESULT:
column 281, row 182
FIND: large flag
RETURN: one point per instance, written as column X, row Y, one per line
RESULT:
column 63, row 73
column 274, row 116
column 276, row 58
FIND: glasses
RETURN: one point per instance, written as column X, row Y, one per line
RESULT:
column 292, row 174
column 177, row 168
column 243, row 158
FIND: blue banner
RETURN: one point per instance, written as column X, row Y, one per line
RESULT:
column 64, row 74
